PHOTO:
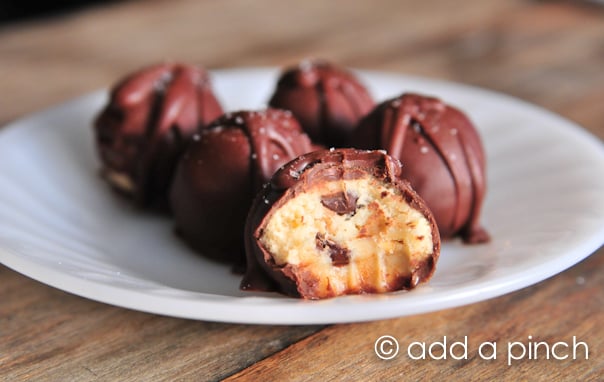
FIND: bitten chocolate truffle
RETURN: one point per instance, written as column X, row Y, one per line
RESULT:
column 327, row 100
column 339, row 222
column 442, row 155
column 150, row 117
column 221, row 171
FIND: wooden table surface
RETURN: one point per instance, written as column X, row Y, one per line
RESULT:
column 547, row 53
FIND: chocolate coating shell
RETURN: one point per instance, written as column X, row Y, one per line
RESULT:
column 150, row 116
column 300, row 177
column 442, row 155
column 327, row 100
column 220, row 172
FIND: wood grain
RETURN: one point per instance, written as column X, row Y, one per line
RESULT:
column 548, row 53
column 47, row 334
column 566, row 308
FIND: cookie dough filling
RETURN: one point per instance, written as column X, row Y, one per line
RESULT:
column 349, row 236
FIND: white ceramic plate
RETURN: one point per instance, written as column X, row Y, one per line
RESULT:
column 60, row 224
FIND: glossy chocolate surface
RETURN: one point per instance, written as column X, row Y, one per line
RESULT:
column 299, row 176
column 442, row 158
column 222, row 170
column 150, row 116
column 327, row 100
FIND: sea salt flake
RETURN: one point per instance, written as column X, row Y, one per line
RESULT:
column 305, row 65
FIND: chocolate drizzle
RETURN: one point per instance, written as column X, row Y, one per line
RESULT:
column 150, row 116
column 327, row 100
column 275, row 137
column 221, row 171
column 442, row 157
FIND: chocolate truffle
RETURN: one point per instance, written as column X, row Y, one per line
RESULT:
column 339, row 222
column 143, row 129
column 442, row 155
column 327, row 100
column 221, row 171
